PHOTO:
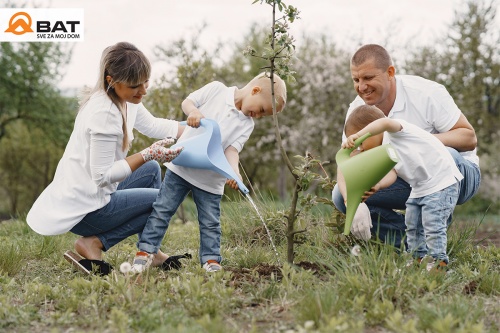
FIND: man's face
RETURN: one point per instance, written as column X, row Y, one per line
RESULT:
column 371, row 83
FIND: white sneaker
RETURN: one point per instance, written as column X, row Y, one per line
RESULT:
column 142, row 261
column 212, row 266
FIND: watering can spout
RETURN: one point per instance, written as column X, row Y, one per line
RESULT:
column 204, row 151
column 361, row 172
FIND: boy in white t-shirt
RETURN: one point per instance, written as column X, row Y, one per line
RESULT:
column 233, row 109
column 426, row 165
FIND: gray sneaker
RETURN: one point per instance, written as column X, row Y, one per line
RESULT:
column 142, row 261
column 212, row 266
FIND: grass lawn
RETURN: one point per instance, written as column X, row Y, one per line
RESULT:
column 328, row 290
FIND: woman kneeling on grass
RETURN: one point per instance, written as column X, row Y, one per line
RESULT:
column 99, row 192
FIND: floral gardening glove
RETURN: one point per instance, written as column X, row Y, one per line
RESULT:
column 159, row 153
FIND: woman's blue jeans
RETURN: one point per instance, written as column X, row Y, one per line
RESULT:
column 389, row 225
column 172, row 193
column 127, row 212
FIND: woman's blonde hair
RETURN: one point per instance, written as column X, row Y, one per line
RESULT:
column 126, row 64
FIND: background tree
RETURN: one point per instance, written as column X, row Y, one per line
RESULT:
column 35, row 120
column 467, row 62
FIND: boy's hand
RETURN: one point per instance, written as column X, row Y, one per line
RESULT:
column 194, row 118
column 232, row 183
column 349, row 143
column 371, row 192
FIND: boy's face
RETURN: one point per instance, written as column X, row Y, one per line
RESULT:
column 257, row 104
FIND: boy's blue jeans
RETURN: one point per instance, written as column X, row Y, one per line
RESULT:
column 127, row 212
column 172, row 192
column 427, row 219
column 390, row 225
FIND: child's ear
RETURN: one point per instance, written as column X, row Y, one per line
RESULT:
column 256, row 90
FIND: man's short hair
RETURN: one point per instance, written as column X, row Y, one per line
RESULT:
column 372, row 51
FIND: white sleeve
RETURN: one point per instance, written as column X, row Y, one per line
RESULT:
column 103, row 167
column 153, row 127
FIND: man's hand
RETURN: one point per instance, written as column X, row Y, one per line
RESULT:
column 159, row 153
column 362, row 222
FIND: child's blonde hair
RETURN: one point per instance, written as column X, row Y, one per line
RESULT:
column 264, row 80
column 360, row 117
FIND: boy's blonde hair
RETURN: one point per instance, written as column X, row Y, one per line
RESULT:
column 264, row 80
column 360, row 117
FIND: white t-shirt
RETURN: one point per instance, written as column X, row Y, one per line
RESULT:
column 215, row 101
column 424, row 162
column 93, row 163
column 425, row 104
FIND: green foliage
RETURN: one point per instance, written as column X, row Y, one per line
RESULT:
column 329, row 290
column 467, row 63
column 35, row 120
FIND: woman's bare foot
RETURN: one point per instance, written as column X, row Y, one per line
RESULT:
column 89, row 247
column 159, row 258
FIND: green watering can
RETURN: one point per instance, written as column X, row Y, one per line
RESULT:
column 362, row 172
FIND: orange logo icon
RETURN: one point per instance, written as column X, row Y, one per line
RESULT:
column 23, row 22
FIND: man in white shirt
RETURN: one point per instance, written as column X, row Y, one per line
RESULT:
column 423, row 103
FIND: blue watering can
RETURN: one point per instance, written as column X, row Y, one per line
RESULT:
column 204, row 151
column 362, row 172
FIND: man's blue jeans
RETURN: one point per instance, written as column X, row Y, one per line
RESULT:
column 172, row 193
column 129, row 208
column 389, row 225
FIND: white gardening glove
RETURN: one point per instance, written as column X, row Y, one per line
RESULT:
column 362, row 222
column 159, row 153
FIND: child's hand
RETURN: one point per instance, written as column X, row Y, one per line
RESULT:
column 349, row 143
column 232, row 183
column 371, row 192
column 194, row 118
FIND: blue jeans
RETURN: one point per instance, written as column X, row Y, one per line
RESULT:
column 472, row 177
column 172, row 193
column 389, row 225
column 427, row 219
column 129, row 208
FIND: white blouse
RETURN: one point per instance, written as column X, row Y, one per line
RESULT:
column 93, row 163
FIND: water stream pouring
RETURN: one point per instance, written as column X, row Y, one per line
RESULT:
column 361, row 172
column 204, row 151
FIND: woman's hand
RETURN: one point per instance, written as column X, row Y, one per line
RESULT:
column 159, row 153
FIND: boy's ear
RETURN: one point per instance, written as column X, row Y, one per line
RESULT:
column 256, row 90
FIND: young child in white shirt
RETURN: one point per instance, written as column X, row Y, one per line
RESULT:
column 426, row 165
column 233, row 109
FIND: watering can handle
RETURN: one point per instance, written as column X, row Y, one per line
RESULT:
column 345, row 153
column 203, row 123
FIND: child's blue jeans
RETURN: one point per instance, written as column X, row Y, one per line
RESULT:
column 427, row 219
column 172, row 192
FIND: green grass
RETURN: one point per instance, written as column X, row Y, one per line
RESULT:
column 372, row 292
